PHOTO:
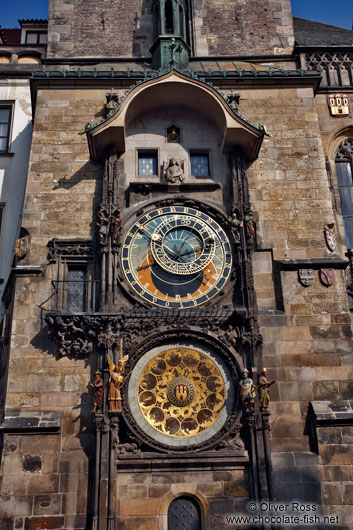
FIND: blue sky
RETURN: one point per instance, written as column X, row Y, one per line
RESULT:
column 335, row 12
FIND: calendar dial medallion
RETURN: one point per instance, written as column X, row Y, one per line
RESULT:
column 176, row 257
column 181, row 392
column 180, row 395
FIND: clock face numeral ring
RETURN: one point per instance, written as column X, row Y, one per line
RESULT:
column 182, row 245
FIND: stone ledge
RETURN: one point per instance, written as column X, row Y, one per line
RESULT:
column 328, row 413
column 333, row 262
column 31, row 422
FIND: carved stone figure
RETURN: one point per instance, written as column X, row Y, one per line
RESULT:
column 174, row 170
column 104, row 226
column 330, row 237
column 112, row 104
column 247, row 390
column 116, row 227
column 98, row 391
column 263, row 386
column 250, row 225
column 117, row 379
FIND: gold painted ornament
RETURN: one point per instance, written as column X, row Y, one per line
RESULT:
column 181, row 392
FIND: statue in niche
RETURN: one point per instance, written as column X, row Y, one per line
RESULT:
column 250, row 225
column 263, row 386
column 116, row 227
column 236, row 225
column 103, row 224
column 98, row 392
column 109, row 226
column 173, row 170
column 247, row 391
column 173, row 134
column 117, row 379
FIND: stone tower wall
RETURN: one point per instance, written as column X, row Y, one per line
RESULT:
column 124, row 28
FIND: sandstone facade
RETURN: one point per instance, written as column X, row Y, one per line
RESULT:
column 66, row 468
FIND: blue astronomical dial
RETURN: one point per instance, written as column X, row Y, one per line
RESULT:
column 176, row 257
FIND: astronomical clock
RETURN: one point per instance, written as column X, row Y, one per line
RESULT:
column 182, row 390
column 176, row 257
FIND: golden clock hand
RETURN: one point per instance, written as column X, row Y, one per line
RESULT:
column 146, row 266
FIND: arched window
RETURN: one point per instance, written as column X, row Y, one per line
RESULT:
column 156, row 21
column 184, row 514
column 169, row 17
column 344, row 163
column 181, row 22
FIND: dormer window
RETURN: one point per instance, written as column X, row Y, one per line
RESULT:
column 36, row 37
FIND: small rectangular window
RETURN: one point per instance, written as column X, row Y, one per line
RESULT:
column 36, row 37
column 200, row 166
column 77, row 288
column 5, row 127
column 147, row 163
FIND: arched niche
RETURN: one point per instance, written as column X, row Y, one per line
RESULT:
column 175, row 91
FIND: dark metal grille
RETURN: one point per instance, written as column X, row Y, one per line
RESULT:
column 77, row 289
column 184, row 514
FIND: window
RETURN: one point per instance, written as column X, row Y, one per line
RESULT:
column 36, row 37
column 77, row 288
column 2, row 207
column 344, row 160
column 200, row 166
column 147, row 163
column 5, row 127
column 169, row 17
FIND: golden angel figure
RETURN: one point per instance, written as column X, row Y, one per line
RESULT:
column 116, row 381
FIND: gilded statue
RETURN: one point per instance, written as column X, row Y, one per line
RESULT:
column 116, row 381
column 263, row 386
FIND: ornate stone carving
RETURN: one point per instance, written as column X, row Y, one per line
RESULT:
column 69, row 248
column 173, row 170
column 76, row 335
column 73, row 334
column 112, row 104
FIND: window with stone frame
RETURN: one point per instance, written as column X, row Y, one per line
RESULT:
column 147, row 163
column 75, row 287
column 6, row 111
column 344, row 163
column 200, row 164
